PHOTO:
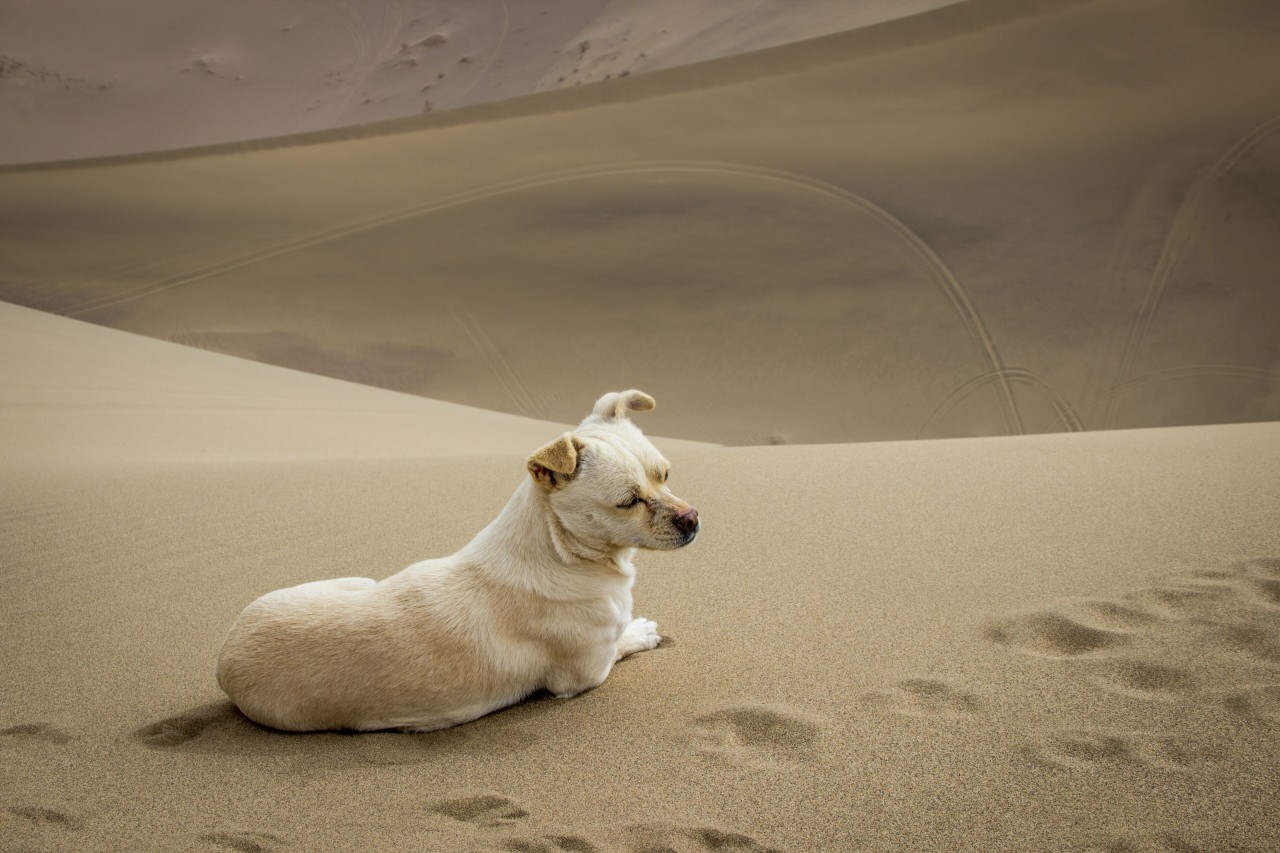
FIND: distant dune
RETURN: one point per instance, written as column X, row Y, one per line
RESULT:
column 991, row 218
column 91, row 79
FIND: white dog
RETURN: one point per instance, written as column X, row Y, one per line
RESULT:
column 541, row 598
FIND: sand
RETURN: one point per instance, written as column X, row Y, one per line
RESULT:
column 79, row 394
column 90, row 80
column 993, row 218
column 1060, row 642
column 329, row 354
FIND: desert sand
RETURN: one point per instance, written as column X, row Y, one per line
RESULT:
column 88, row 80
column 995, row 217
column 1063, row 642
column 1028, row 247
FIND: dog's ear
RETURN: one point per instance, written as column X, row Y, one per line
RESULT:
column 560, row 457
column 612, row 408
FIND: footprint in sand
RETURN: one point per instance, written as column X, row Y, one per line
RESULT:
column 1054, row 634
column 1082, row 750
column 32, row 827
column 1145, row 679
column 44, row 817
column 650, row 838
column 25, row 824
column 1230, row 608
column 34, row 733
column 1231, row 611
column 487, row 810
column 1116, row 615
column 1248, row 587
column 1259, row 703
column 1207, row 637
column 1191, row 596
column 495, row 812
column 245, row 842
column 1249, row 640
column 550, row 844
column 755, row 735
column 206, row 722
column 924, row 697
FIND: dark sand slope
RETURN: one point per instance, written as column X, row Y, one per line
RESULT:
column 94, row 79
column 993, row 218
column 1062, row 643
column 80, row 80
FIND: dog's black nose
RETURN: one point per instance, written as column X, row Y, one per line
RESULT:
column 686, row 521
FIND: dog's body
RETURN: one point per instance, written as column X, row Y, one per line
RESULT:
column 541, row 598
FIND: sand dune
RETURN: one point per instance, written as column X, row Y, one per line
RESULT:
column 78, row 394
column 1047, row 642
column 89, row 81
column 94, row 80
column 992, row 218
column 1001, row 216
column 1041, row 643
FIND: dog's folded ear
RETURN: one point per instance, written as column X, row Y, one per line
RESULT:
column 560, row 457
column 614, row 407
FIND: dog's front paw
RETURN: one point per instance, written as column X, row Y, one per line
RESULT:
column 645, row 631
column 639, row 635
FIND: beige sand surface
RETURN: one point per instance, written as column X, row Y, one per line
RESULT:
column 1022, row 644
column 996, row 217
column 1001, row 216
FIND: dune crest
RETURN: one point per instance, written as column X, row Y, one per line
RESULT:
column 952, row 224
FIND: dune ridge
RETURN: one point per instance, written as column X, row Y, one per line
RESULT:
column 951, row 224
column 950, row 21
column 77, row 394
column 220, row 78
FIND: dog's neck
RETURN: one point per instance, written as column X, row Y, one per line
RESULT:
column 527, row 533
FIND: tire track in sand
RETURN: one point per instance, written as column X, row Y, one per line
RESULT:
column 1176, row 243
column 1189, row 371
column 941, row 274
column 1062, row 408
column 499, row 365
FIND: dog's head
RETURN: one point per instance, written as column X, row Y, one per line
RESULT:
column 607, row 483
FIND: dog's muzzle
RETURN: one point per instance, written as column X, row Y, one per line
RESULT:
column 686, row 523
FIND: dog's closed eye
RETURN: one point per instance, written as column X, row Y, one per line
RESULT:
column 629, row 502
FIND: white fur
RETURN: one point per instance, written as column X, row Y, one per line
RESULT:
column 540, row 598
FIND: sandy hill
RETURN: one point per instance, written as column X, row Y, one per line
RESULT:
column 79, row 394
column 1062, row 642
column 94, row 79
column 1001, row 216
column 995, row 217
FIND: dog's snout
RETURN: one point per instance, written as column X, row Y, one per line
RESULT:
column 686, row 521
